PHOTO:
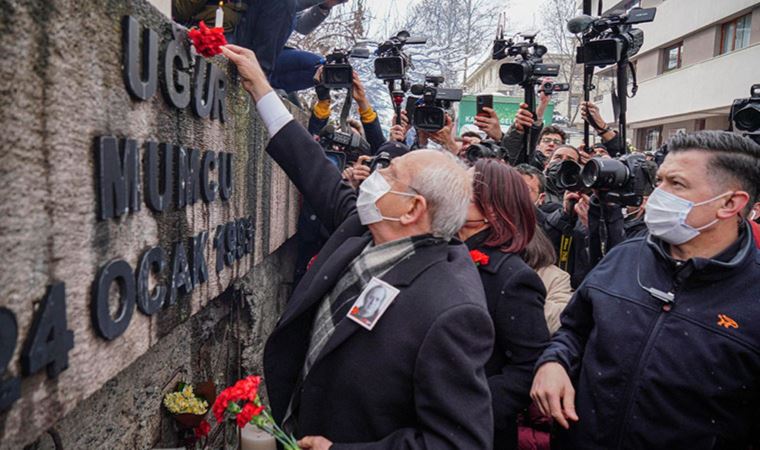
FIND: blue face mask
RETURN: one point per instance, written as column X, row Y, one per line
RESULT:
column 666, row 215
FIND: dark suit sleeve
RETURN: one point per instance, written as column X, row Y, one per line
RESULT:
column 374, row 133
column 452, row 399
column 568, row 343
column 522, row 333
column 320, row 182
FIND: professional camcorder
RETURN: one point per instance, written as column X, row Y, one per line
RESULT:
column 625, row 180
column 528, row 66
column 610, row 39
column 392, row 62
column 430, row 113
column 745, row 114
column 338, row 73
column 351, row 143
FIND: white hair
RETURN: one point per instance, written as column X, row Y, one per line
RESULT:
column 447, row 188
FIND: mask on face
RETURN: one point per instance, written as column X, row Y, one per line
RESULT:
column 370, row 191
column 552, row 173
column 666, row 215
column 752, row 216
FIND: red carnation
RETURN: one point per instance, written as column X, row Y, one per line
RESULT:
column 248, row 412
column 479, row 258
column 245, row 389
column 207, row 41
column 202, row 430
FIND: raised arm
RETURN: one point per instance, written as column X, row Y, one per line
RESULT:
column 293, row 148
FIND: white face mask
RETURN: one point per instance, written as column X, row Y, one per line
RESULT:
column 752, row 215
column 370, row 191
column 666, row 215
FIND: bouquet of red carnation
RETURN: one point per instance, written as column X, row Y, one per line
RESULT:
column 479, row 258
column 207, row 41
column 241, row 402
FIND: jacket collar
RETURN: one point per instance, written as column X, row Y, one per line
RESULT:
column 495, row 256
column 736, row 256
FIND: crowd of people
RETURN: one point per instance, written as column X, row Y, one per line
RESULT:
column 452, row 294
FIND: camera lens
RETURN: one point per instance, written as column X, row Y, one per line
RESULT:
column 748, row 118
column 604, row 173
column 513, row 73
column 569, row 175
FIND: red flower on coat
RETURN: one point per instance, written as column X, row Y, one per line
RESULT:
column 479, row 258
column 207, row 41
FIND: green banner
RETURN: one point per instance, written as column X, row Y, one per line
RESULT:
column 505, row 107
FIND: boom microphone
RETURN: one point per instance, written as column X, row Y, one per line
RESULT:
column 579, row 24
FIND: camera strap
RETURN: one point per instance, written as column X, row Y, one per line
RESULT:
column 564, row 251
column 346, row 109
column 635, row 86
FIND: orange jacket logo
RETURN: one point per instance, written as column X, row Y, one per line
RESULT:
column 725, row 321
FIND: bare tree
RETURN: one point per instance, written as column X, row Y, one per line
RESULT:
column 455, row 30
column 556, row 14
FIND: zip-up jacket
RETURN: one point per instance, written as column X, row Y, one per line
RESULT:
column 681, row 372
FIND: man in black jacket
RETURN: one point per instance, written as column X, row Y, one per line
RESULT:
column 416, row 380
column 660, row 346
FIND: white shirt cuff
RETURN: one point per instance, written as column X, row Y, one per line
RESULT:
column 273, row 113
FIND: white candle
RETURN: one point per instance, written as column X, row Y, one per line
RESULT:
column 219, row 19
column 252, row 438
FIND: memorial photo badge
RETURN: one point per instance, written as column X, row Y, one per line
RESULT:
column 372, row 303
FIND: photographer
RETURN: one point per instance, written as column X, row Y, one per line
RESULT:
column 442, row 139
column 657, row 348
column 567, row 229
column 370, row 123
column 265, row 26
column 554, row 195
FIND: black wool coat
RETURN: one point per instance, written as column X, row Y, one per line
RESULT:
column 515, row 297
column 417, row 380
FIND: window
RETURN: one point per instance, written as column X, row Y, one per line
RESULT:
column 672, row 57
column 735, row 34
column 653, row 139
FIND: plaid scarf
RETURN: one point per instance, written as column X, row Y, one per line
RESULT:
column 373, row 261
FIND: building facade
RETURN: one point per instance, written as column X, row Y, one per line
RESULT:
column 698, row 56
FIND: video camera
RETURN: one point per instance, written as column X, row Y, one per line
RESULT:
column 625, row 180
column 337, row 72
column 529, row 67
column 610, row 39
column 352, row 144
column 745, row 114
column 485, row 149
column 550, row 87
column 430, row 113
column 392, row 62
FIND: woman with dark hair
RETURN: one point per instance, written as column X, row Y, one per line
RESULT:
column 500, row 223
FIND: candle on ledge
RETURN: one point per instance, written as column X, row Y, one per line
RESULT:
column 252, row 438
column 219, row 19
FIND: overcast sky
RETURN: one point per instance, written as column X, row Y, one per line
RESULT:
column 523, row 15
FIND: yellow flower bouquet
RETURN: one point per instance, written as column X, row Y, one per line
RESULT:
column 189, row 405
